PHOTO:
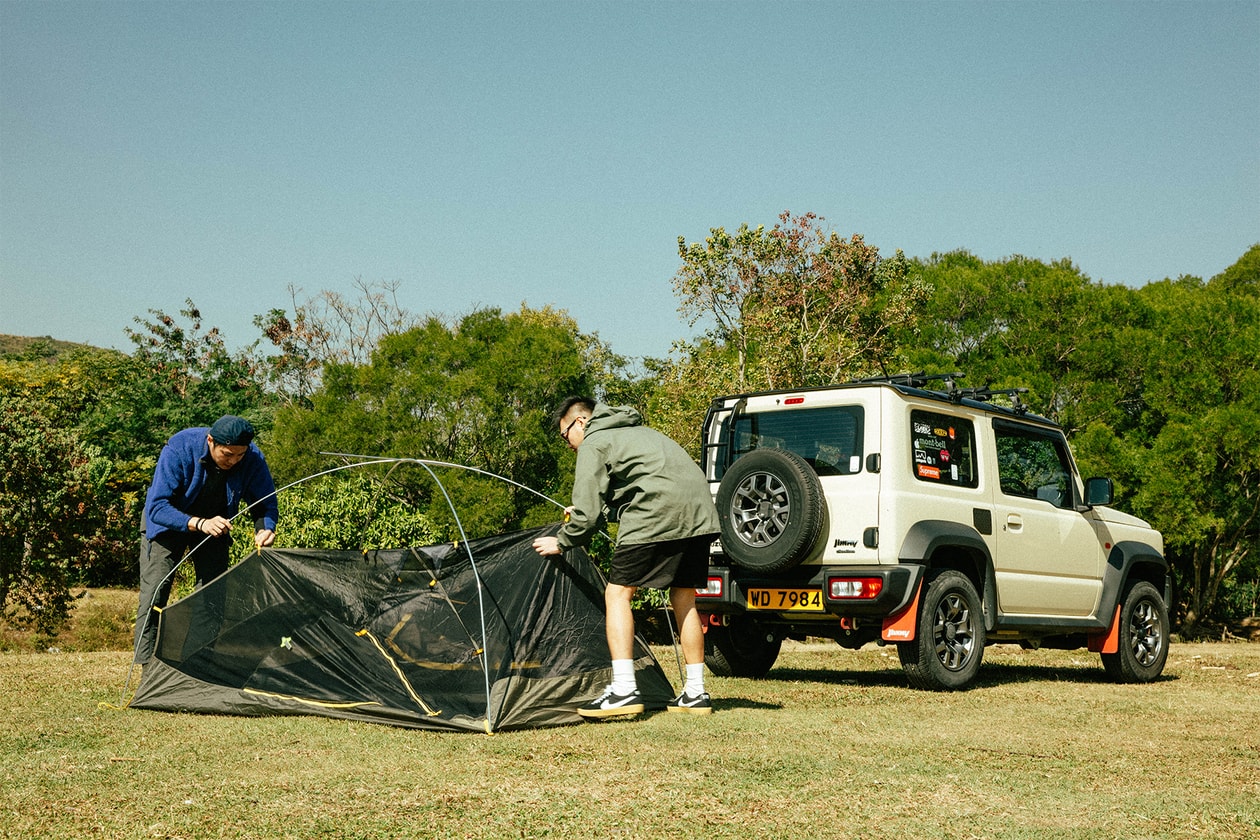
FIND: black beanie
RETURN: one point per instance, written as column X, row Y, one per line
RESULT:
column 232, row 431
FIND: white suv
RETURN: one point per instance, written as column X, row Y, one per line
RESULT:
column 892, row 511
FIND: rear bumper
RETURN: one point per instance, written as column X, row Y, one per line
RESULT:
column 729, row 587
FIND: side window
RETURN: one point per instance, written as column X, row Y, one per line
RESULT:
column 943, row 448
column 1032, row 465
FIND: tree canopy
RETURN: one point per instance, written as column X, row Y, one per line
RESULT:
column 795, row 305
column 478, row 393
column 1158, row 386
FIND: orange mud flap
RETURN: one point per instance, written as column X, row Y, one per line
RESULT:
column 1109, row 641
column 900, row 627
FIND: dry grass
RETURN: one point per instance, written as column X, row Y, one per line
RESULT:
column 832, row 745
column 100, row 619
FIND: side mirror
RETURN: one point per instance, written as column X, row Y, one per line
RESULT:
column 1099, row 491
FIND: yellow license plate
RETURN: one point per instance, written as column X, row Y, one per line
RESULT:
column 785, row 600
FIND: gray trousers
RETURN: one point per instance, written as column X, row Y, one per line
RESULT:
column 158, row 557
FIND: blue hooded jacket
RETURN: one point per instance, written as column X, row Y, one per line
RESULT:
column 181, row 474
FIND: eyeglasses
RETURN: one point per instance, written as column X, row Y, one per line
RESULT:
column 568, row 428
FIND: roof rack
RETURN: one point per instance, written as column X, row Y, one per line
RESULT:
column 986, row 393
column 918, row 380
column 950, row 387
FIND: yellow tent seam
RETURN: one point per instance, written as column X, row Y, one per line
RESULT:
column 401, row 677
column 320, row 703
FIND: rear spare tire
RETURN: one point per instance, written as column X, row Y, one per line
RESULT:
column 771, row 509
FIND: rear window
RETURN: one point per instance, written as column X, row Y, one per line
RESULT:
column 830, row 439
column 943, row 448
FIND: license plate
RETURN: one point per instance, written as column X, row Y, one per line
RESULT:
column 785, row 600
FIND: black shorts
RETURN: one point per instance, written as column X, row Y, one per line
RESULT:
column 660, row 565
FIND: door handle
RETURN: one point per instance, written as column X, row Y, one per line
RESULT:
column 1014, row 522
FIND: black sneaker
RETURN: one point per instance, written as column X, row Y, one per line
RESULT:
column 692, row 704
column 610, row 704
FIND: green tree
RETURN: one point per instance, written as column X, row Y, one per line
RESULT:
column 357, row 508
column 478, row 393
column 1195, row 457
column 328, row 328
column 50, row 513
column 1158, row 387
column 112, row 413
column 1026, row 323
column 720, row 281
column 799, row 305
column 792, row 306
column 196, row 377
column 684, row 387
column 66, row 393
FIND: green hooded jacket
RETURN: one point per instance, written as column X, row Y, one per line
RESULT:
column 648, row 483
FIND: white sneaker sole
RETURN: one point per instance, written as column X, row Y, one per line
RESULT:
column 619, row 711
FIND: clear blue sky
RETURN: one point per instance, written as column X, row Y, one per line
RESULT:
column 489, row 154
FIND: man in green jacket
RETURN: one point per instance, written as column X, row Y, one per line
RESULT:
column 667, row 521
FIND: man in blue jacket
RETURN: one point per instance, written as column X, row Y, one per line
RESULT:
column 202, row 476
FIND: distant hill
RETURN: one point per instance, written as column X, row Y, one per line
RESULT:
column 22, row 348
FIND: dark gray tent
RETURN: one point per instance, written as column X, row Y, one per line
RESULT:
column 481, row 636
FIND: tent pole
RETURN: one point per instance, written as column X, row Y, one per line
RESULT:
column 148, row 613
column 369, row 460
column 481, row 602
column 673, row 635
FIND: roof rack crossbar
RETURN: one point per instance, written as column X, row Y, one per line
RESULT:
column 950, row 389
column 986, row 393
column 919, row 379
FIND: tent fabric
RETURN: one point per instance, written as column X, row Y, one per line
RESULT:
column 408, row 637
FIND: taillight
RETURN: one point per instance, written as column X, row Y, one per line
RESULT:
column 712, row 590
column 855, row 589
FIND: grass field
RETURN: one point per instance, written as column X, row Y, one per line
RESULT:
column 833, row 744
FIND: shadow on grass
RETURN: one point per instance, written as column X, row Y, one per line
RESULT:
column 721, row 704
column 726, row 704
column 991, row 675
column 995, row 674
column 838, row 676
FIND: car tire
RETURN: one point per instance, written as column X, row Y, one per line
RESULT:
column 1143, row 637
column 771, row 509
column 741, row 648
column 949, row 639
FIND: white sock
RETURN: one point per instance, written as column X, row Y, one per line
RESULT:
column 695, row 679
column 623, row 681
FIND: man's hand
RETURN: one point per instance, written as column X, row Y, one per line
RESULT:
column 547, row 546
column 215, row 526
column 264, row 538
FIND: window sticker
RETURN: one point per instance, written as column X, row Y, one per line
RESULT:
column 943, row 449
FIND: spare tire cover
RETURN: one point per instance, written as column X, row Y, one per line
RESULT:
column 771, row 509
